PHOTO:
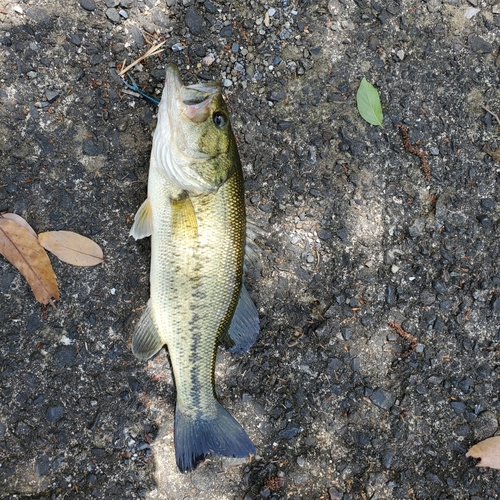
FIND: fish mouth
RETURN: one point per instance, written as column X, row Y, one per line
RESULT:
column 192, row 101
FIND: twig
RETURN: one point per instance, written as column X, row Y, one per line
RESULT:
column 153, row 50
column 492, row 114
column 405, row 335
column 415, row 151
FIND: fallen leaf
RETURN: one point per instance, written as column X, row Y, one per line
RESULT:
column 488, row 451
column 72, row 248
column 20, row 221
column 23, row 251
column 368, row 102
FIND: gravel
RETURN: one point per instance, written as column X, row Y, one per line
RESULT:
column 338, row 404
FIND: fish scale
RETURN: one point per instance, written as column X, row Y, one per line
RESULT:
column 195, row 214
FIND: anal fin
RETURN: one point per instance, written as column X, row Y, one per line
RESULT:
column 146, row 341
column 143, row 222
column 245, row 325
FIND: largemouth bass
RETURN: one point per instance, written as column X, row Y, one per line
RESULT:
column 195, row 215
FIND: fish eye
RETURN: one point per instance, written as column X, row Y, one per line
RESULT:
column 219, row 119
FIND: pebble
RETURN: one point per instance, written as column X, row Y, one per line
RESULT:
column 193, row 20
column 343, row 235
column 52, row 95
column 488, row 204
column 470, row 12
column 226, row 31
column 383, row 399
column 55, row 413
column 112, row 15
column 92, row 148
column 177, row 47
column 479, row 44
column 88, row 5
column 417, row 228
column 486, row 425
column 324, row 234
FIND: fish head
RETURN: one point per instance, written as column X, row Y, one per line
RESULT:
column 194, row 143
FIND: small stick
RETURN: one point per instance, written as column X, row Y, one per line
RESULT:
column 415, row 151
column 405, row 335
column 492, row 114
column 153, row 50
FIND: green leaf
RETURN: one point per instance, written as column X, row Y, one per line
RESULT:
column 368, row 102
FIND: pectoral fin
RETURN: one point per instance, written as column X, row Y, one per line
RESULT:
column 146, row 341
column 143, row 222
column 244, row 327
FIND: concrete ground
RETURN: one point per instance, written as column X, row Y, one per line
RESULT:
column 359, row 246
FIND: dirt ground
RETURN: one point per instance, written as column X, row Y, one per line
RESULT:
column 359, row 245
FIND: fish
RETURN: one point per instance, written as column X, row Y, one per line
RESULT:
column 195, row 215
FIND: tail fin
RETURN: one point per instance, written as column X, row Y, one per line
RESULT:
column 196, row 437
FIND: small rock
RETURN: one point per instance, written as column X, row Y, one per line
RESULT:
column 383, row 399
column 193, row 20
column 210, row 7
column 417, row 228
column 343, row 235
column 277, row 95
column 88, row 5
column 226, row 31
column 335, row 494
column 54, row 413
column 387, row 458
column 112, row 15
column 137, row 36
column 484, row 220
column 333, row 365
column 177, row 47
column 42, row 466
column 34, row 322
column 458, row 406
column 480, row 45
column 495, row 302
column 65, row 355
column 284, row 125
column 92, row 148
column 485, row 425
column 52, row 95
column 470, row 12
column 488, row 204
column 123, row 13
column 324, row 234
column 75, row 39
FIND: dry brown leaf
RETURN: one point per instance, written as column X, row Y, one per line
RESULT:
column 22, row 250
column 488, row 451
column 72, row 248
column 20, row 221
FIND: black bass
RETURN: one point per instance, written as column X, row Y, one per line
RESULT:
column 195, row 215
